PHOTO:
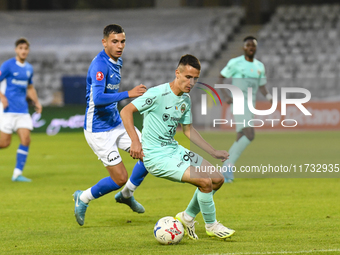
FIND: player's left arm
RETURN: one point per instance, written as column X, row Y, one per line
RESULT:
column 193, row 135
column 32, row 94
column 262, row 87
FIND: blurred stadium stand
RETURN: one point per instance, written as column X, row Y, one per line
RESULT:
column 64, row 43
column 300, row 48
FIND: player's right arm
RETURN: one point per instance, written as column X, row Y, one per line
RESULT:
column 227, row 72
column 142, row 104
column 126, row 115
column 4, row 71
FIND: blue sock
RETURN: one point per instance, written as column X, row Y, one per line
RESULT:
column 138, row 173
column 22, row 153
column 104, row 186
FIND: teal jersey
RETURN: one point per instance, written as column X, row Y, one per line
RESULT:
column 245, row 74
column 162, row 111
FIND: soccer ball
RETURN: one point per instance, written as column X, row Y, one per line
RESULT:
column 168, row 230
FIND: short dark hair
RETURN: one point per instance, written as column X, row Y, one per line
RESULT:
column 191, row 61
column 112, row 28
column 21, row 40
column 249, row 38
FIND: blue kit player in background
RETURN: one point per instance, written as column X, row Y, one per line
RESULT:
column 103, row 127
column 163, row 108
column 245, row 71
column 16, row 85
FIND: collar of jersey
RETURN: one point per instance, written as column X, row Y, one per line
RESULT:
column 20, row 64
column 110, row 59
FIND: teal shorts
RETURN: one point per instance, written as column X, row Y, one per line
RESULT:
column 242, row 120
column 172, row 166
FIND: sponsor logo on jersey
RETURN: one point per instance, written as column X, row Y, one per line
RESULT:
column 166, row 117
column 19, row 82
column 175, row 119
column 182, row 108
column 176, row 108
column 15, row 74
column 148, row 101
column 167, row 93
column 99, row 76
column 111, row 86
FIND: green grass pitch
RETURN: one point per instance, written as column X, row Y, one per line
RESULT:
column 285, row 215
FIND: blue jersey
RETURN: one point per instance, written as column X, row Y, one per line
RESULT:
column 14, row 78
column 102, row 96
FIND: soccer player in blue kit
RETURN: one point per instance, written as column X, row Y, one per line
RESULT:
column 103, row 127
column 16, row 84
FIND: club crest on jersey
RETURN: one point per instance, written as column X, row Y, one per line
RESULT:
column 28, row 73
column 182, row 108
column 99, row 76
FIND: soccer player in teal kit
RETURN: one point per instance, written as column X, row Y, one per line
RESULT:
column 163, row 107
column 245, row 71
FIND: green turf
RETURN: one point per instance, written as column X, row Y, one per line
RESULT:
column 269, row 215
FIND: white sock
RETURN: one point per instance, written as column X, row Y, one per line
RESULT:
column 187, row 217
column 128, row 189
column 209, row 225
column 16, row 172
column 86, row 196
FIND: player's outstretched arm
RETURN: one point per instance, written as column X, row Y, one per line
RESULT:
column 126, row 114
column 137, row 91
column 190, row 132
column 32, row 94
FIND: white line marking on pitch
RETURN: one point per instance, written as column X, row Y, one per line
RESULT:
column 273, row 252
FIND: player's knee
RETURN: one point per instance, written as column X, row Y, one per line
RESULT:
column 205, row 185
column 4, row 144
column 251, row 136
column 121, row 180
column 219, row 182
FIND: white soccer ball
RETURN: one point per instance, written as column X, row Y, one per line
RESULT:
column 168, row 230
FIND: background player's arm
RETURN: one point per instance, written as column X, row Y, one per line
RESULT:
column 32, row 94
column 126, row 114
column 102, row 98
column 193, row 135
column 4, row 70
column 265, row 92
column 3, row 100
column 227, row 72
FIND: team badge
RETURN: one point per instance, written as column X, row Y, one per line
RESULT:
column 176, row 108
column 99, row 76
column 28, row 73
column 259, row 72
column 182, row 108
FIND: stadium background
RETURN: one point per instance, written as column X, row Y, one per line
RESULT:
column 298, row 43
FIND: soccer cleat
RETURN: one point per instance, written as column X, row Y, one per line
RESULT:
column 131, row 202
column 79, row 207
column 21, row 178
column 228, row 175
column 219, row 231
column 189, row 226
